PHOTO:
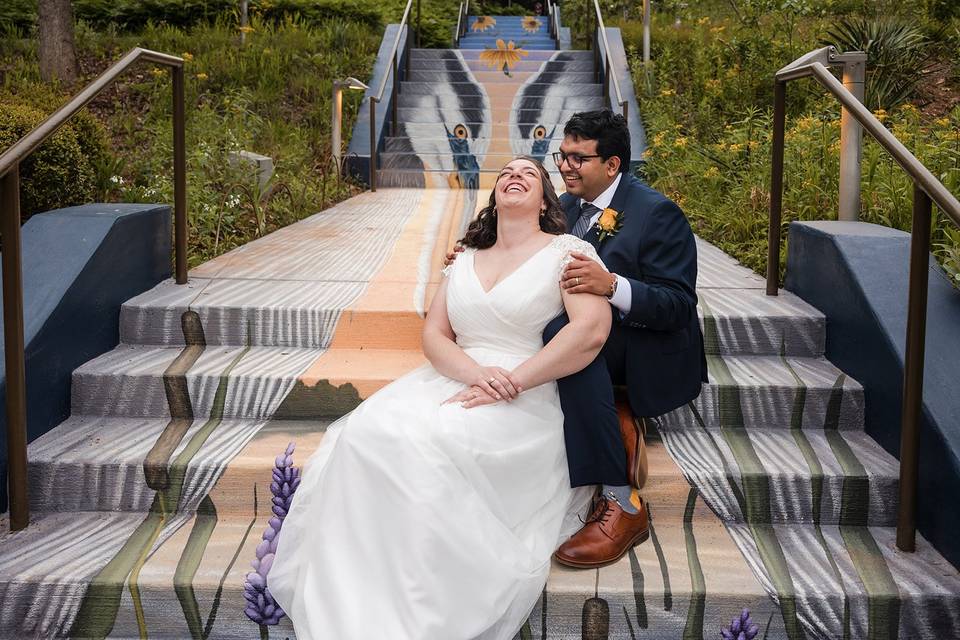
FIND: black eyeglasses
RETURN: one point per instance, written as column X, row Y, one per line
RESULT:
column 575, row 160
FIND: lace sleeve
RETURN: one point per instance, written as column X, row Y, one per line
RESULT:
column 569, row 244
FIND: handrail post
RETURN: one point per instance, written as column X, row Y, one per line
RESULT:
column 851, row 144
column 776, row 187
column 913, row 369
column 646, row 33
column 373, row 143
column 179, row 176
column 394, row 99
column 13, row 350
column 418, row 25
column 606, row 82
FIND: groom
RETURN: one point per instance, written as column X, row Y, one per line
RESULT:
column 655, row 348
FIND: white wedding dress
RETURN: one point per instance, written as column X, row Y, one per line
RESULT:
column 421, row 520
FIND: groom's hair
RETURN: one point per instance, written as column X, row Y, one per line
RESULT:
column 610, row 131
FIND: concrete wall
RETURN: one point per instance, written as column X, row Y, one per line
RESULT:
column 856, row 274
column 79, row 265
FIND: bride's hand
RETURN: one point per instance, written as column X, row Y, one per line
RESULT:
column 472, row 397
column 496, row 382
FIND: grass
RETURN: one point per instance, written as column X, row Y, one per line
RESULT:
column 270, row 94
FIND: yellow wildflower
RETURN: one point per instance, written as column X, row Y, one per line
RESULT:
column 943, row 122
column 504, row 57
column 667, row 92
column 156, row 72
column 187, row 56
column 704, row 20
column 647, row 153
column 680, row 142
column 754, row 145
column 246, row 29
column 530, row 24
column 712, row 172
column 881, row 114
column 717, row 29
column 658, row 139
column 201, row 76
column 735, row 147
column 483, row 23
column 909, row 108
column 713, row 84
column 267, row 52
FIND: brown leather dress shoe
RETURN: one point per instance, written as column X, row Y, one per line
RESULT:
column 608, row 534
column 632, row 430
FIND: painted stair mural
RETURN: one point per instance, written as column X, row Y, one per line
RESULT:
column 463, row 113
column 150, row 502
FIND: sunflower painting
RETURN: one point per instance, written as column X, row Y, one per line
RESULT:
column 530, row 24
column 504, row 57
column 483, row 23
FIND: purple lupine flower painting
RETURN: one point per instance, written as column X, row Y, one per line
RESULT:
column 261, row 607
column 741, row 628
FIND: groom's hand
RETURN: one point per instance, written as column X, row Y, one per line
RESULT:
column 452, row 255
column 584, row 275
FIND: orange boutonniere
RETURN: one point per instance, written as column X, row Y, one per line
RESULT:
column 609, row 223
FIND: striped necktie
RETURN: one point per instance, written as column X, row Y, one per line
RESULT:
column 582, row 224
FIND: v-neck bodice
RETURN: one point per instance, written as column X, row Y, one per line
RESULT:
column 511, row 316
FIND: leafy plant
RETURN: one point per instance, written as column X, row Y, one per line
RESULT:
column 898, row 54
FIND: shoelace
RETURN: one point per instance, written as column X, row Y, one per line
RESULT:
column 601, row 510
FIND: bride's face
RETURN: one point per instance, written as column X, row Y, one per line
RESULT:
column 519, row 186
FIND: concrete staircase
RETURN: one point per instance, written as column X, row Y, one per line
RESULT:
column 463, row 113
column 149, row 502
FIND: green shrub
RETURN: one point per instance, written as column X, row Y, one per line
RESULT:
column 58, row 174
column 897, row 56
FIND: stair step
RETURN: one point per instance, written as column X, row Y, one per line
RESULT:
column 525, row 65
column 460, row 102
column 752, row 391
column 548, row 117
column 487, row 77
column 280, row 313
column 526, row 46
column 499, row 90
column 254, row 382
column 441, row 179
column 690, row 576
column 91, row 463
column 779, row 476
column 468, row 55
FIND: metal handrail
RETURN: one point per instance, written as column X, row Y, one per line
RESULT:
column 926, row 187
column 456, row 39
column 374, row 99
column 11, row 256
column 599, row 26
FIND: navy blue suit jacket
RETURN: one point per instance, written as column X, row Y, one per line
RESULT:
column 658, row 345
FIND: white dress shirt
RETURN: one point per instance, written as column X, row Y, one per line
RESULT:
column 623, row 296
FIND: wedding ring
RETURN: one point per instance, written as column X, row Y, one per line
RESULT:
column 491, row 380
column 578, row 281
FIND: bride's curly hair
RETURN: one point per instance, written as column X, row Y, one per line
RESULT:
column 482, row 232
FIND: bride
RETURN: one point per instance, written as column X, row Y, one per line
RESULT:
column 431, row 511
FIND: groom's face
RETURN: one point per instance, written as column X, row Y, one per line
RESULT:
column 594, row 174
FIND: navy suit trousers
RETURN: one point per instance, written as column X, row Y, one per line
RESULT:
column 595, row 451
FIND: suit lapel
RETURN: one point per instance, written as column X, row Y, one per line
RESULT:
column 593, row 237
column 619, row 201
column 571, row 207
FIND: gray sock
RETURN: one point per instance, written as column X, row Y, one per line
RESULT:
column 622, row 495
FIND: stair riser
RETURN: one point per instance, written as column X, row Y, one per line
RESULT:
column 549, row 119
column 496, row 77
column 433, row 89
column 122, row 488
column 526, row 47
column 313, row 328
column 134, row 396
column 468, row 102
column 447, row 54
column 523, row 66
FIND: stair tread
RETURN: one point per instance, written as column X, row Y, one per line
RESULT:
column 42, row 563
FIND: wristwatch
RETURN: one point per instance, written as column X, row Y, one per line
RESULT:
column 613, row 286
